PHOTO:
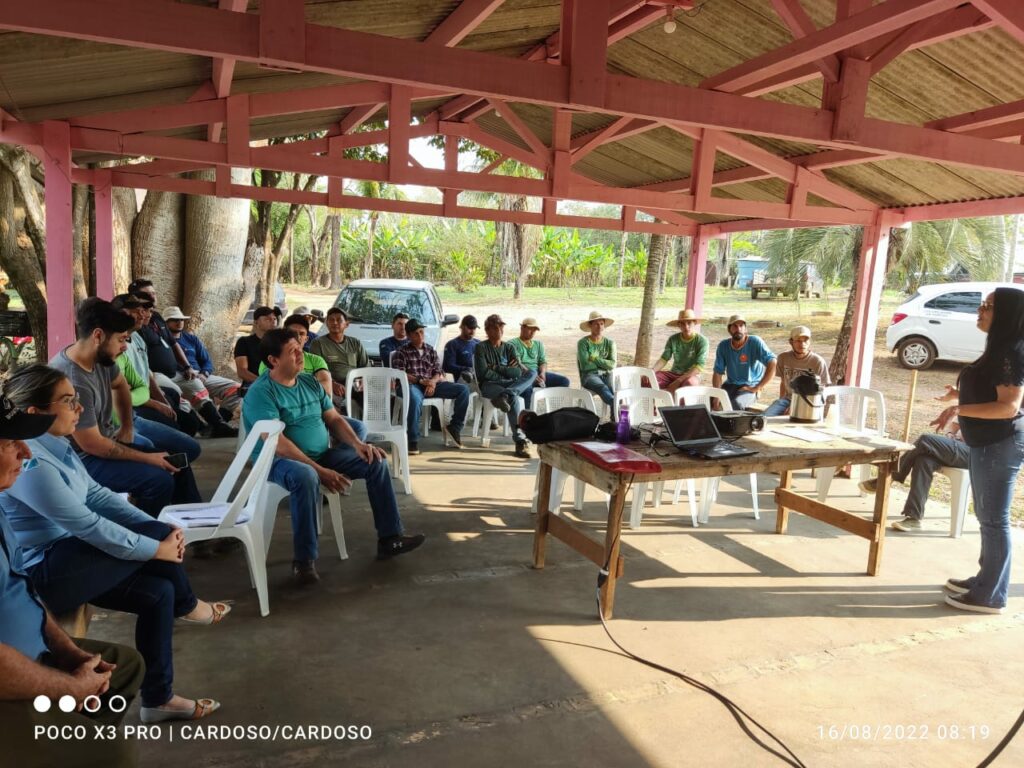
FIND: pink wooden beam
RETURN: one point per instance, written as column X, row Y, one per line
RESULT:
column 870, row 279
column 703, row 168
column 1005, row 206
column 506, row 113
column 799, row 23
column 756, row 225
column 845, row 33
column 561, row 136
column 1008, row 14
column 617, row 130
column 696, row 271
column 851, row 100
column 282, row 32
column 223, row 70
column 238, row 130
column 980, row 118
column 588, row 54
column 399, row 115
column 104, row 233
column 60, row 297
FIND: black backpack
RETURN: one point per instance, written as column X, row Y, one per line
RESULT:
column 563, row 424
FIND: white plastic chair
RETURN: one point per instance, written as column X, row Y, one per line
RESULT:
column 709, row 492
column 483, row 416
column 631, row 377
column 546, row 400
column 852, row 404
column 377, row 415
column 247, row 502
column 643, row 404
column 960, row 492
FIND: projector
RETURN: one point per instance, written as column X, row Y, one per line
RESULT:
column 737, row 423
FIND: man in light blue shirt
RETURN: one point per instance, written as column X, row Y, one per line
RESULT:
column 743, row 365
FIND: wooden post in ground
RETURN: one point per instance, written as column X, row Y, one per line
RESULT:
column 910, row 405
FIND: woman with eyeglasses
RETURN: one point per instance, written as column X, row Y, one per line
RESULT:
column 83, row 543
column 989, row 392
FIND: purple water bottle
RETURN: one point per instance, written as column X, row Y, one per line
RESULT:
column 622, row 428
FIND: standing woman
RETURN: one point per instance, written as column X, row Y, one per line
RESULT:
column 992, row 424
column 595, row 357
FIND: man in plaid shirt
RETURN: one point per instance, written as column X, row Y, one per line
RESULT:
column 421, row 364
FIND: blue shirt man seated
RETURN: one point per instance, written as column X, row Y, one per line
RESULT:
column 396, row 340
column 39, row 660
column 305, row 459
column 743, row 365
column 458, row 352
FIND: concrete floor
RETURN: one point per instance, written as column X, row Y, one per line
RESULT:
column 461, row 654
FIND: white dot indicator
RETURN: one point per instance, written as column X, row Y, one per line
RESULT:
column 67, row 703
column 41, row 703
column 117, row 703
column 92, row 703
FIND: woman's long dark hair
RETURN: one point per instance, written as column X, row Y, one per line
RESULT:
column 1006, row 331
column 32, row 385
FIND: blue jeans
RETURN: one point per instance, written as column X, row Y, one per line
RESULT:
column 930, row 452
column 993, row 470
column 446, row 390
column 302, row 482
column 75, row 572
column 778, row 408
column 513, row 389
column 740, row 400
column 601, row 385
column 550, row 380
column 165, row 438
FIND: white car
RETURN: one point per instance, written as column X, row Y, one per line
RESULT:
column 372, row 305
column 939, row 322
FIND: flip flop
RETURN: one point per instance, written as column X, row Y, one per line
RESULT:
column 202, row 708
column 220, row 610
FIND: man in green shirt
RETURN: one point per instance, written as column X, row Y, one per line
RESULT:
column 687, row 351
column 342, row 353
column 531, row 355
column 501, row 377
column 595, row 357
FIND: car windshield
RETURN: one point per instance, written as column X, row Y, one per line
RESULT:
column 378, row 306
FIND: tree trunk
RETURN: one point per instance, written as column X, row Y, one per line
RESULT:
column 622, row 256
column 1011, row 256
column 724, row 251
column 215, row 256
column 370, row 238
column 526, row 244
column 17, row 255
column 291, row 257
column 158, row 244
column 663, row 273
column 336, row 252
column 125, row 211
column 655, row 258
column 80, row 243
column 837, row 367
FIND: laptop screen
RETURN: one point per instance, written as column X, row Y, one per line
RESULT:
column 689, row 425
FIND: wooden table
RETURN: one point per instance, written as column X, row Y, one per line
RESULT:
column 776, row 452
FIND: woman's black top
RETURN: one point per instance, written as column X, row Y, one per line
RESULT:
column 978, row 385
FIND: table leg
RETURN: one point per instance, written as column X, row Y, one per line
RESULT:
column 612, row 540
column 881, row 512
column 782, row 516
column 540, row 533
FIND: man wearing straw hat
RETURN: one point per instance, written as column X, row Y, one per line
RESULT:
column 531, row 355
column 799, row 358
column 743, row 364
column 686, row 350
column 595, row 357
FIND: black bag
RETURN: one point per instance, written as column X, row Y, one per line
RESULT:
column 563, row 424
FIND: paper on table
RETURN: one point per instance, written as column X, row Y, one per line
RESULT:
column 201, row 515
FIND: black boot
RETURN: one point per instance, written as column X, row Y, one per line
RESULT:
column 218, row 426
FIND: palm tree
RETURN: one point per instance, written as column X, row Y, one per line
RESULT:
column 379, row 191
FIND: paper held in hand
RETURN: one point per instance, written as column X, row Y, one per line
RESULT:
column 199, row 515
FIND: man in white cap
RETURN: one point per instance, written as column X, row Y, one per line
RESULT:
column 531, row 355
column 686, row 350
column 789, row 364
column 312, row 316
column 743, row 364
column 596, row 357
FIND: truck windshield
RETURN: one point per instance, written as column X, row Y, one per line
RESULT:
column 378, row 306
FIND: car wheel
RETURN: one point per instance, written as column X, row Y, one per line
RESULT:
column 916, row 353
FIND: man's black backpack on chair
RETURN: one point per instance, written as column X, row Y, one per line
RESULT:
column 563, row 424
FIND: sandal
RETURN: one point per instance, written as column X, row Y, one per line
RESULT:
column 220, row 610
column 202, row 708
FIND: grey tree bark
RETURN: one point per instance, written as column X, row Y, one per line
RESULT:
column 336, row 252
column 125, row 211
column 158, row 244
column 81, row 245
column 655, row 258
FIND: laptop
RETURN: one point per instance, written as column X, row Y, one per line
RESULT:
column 691, row 429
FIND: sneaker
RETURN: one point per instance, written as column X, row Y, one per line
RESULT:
column 501, row 403
column 964, row 603
column 414, row 449
column 907, row 524
column 868, row 486
column 304, row 572
column 393, row 546
column 523, row 450
column 959, row 586
column 222, row 429
column 455, row 435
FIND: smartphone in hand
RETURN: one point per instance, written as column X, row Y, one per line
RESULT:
column 178, row 460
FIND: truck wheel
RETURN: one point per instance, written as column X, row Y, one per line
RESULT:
column 915, row 353
column 753, row 293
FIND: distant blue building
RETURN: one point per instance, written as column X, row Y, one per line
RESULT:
column 746, row 269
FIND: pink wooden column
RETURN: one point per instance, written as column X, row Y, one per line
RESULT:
column 104, row 234
column 870, row 277
column 697, row 270
column 60, row 308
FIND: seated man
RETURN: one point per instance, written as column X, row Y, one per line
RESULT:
column 426, row 379
column 247, row 348
column 458, row 352
column 743, row 365
column 122, row 458
column 686, row 350
column 312, row 364
column 596, row 357
column 305, row 458
column 799, row 358
column 205, row 390
column 312, row 316
column 38, row 659
column 392, row 343
column 341, row 353
column 502, row 378
column 531, row 355
column 930, row 453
